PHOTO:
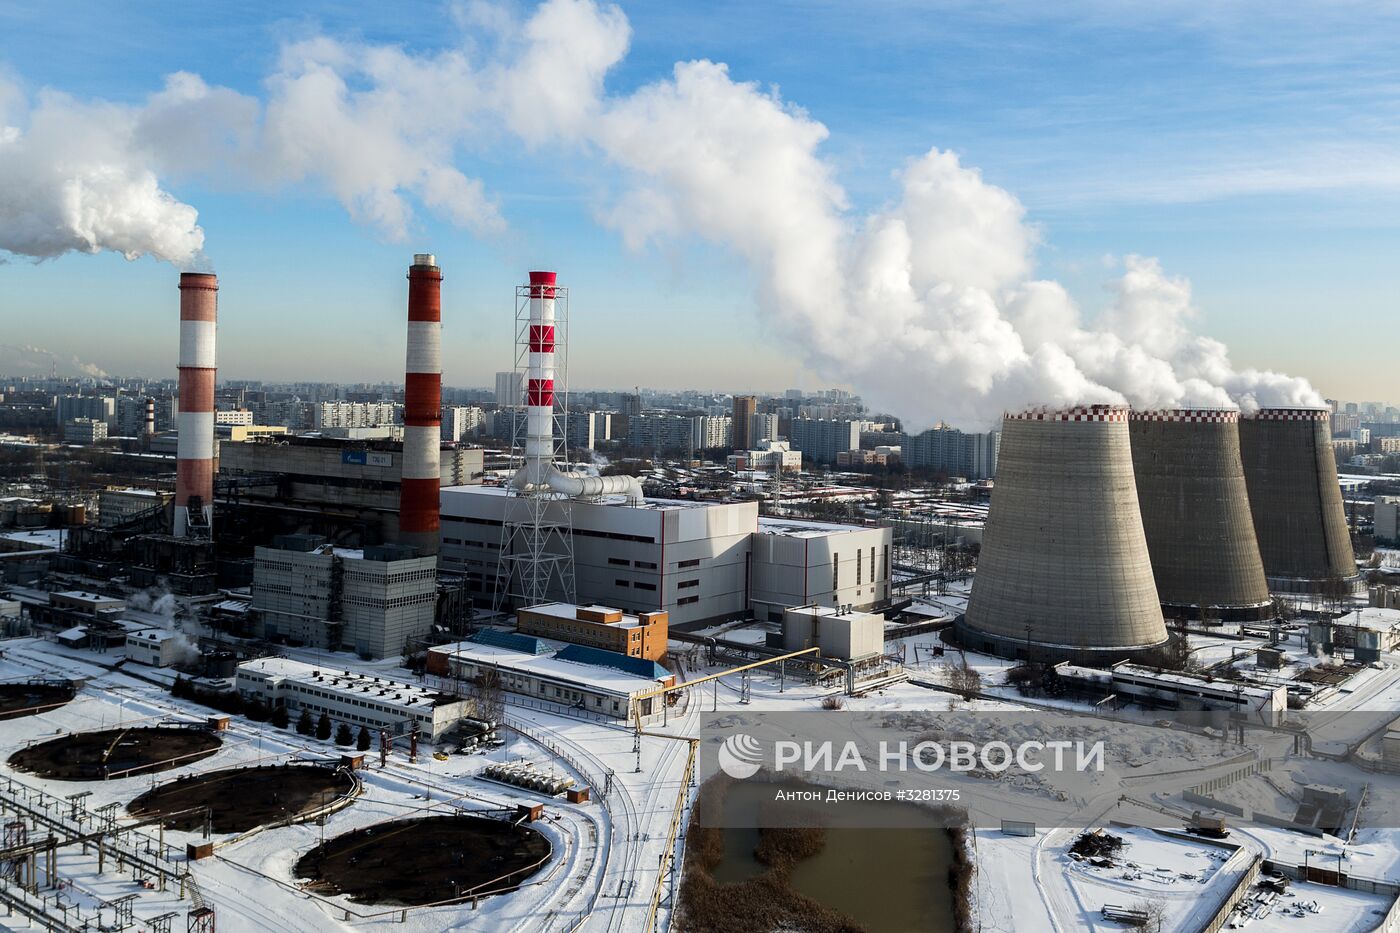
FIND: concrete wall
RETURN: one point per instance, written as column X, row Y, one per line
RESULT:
column 1295, row 500
column 1195, row 512
column 1064, row 551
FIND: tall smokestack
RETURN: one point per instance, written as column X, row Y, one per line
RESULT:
column 422, row 410
column 194, row 465
column 539, row 385
column 1296, row 500
column 1064, row 570
column 148, row 428
column 1195, row 510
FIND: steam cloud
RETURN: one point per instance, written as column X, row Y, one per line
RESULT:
column 929, row 306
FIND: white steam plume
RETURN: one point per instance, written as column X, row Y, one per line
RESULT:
column 928, row 305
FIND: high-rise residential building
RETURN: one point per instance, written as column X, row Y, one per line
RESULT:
column 94, row 407
column 509, row 387
column 948, row 450
column 745, row 407
column 357, row 414
column 84, row 431
column 821, row 440
column 460, row 421
column 763, row 427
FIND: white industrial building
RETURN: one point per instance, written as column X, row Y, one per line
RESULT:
column 1158, row 689
column 839, row 633
column 371, row 602
column 698, row 561
column 352, row 698
column 577, row 676
column 155, row 647
column 803, row 563
column 115, row 505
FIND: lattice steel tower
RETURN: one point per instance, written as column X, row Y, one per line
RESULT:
column 536, row 562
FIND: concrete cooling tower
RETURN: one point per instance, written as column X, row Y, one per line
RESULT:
column 1296, row 501
column 1064, row 570
column 1195, row 511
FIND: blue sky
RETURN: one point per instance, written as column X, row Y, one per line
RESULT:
column 1255, row 151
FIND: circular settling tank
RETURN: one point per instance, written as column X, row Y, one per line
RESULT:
column 235, row 800
column 115, row 753
column 425, row 861
column 30, row 699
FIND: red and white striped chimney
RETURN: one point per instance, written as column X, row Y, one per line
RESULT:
column 194, row 465
column 539, row 386
column 422, row 410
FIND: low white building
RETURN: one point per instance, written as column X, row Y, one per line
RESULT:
column 845, row 635
column 588, row 679
column 352, row 698
column 767, row 455
column 1156, row 689
column 155, row 647
column 116, row 505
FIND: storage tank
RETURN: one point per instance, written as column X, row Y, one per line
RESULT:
column 1296, row 500
column 1195, row 512
column 1064, row 571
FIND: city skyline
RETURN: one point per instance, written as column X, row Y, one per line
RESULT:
column 297, row 273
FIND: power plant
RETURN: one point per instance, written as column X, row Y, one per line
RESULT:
column 422, row 411
column 1195, row 511
column 1291, row 473
column 194, row 481
column 1065, row 570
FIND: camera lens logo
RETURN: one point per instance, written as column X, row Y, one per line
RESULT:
column 740, row 755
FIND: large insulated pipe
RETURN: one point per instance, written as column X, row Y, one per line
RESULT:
column 538, row 471
column 194, row 464
column 422, row 410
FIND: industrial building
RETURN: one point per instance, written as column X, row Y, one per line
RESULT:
column 805, row 563
column 155, row 647
column 349, row 488
column 1299, row 520
column 1157, row 689
column 115, row 506
column 697, row 561
column 306, row 592
column 846, row 635
column 587, row 679
column 1064, row 571
column 1195, row 512
column 352, row 698
column 642, row 635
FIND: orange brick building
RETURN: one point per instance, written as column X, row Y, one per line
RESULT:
column 637, row 636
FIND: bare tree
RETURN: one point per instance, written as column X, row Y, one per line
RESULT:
column 488, row 695
column 1155, row 908
column 964, row 680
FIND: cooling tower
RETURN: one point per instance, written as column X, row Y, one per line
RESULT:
column 1195, row 511
column 195, row 453
column 1295, row 498
column 1064, row 570
column 422, row 408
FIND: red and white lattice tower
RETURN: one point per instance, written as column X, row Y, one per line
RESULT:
column 422, row 410
column 536, row 563
column 194, row 465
